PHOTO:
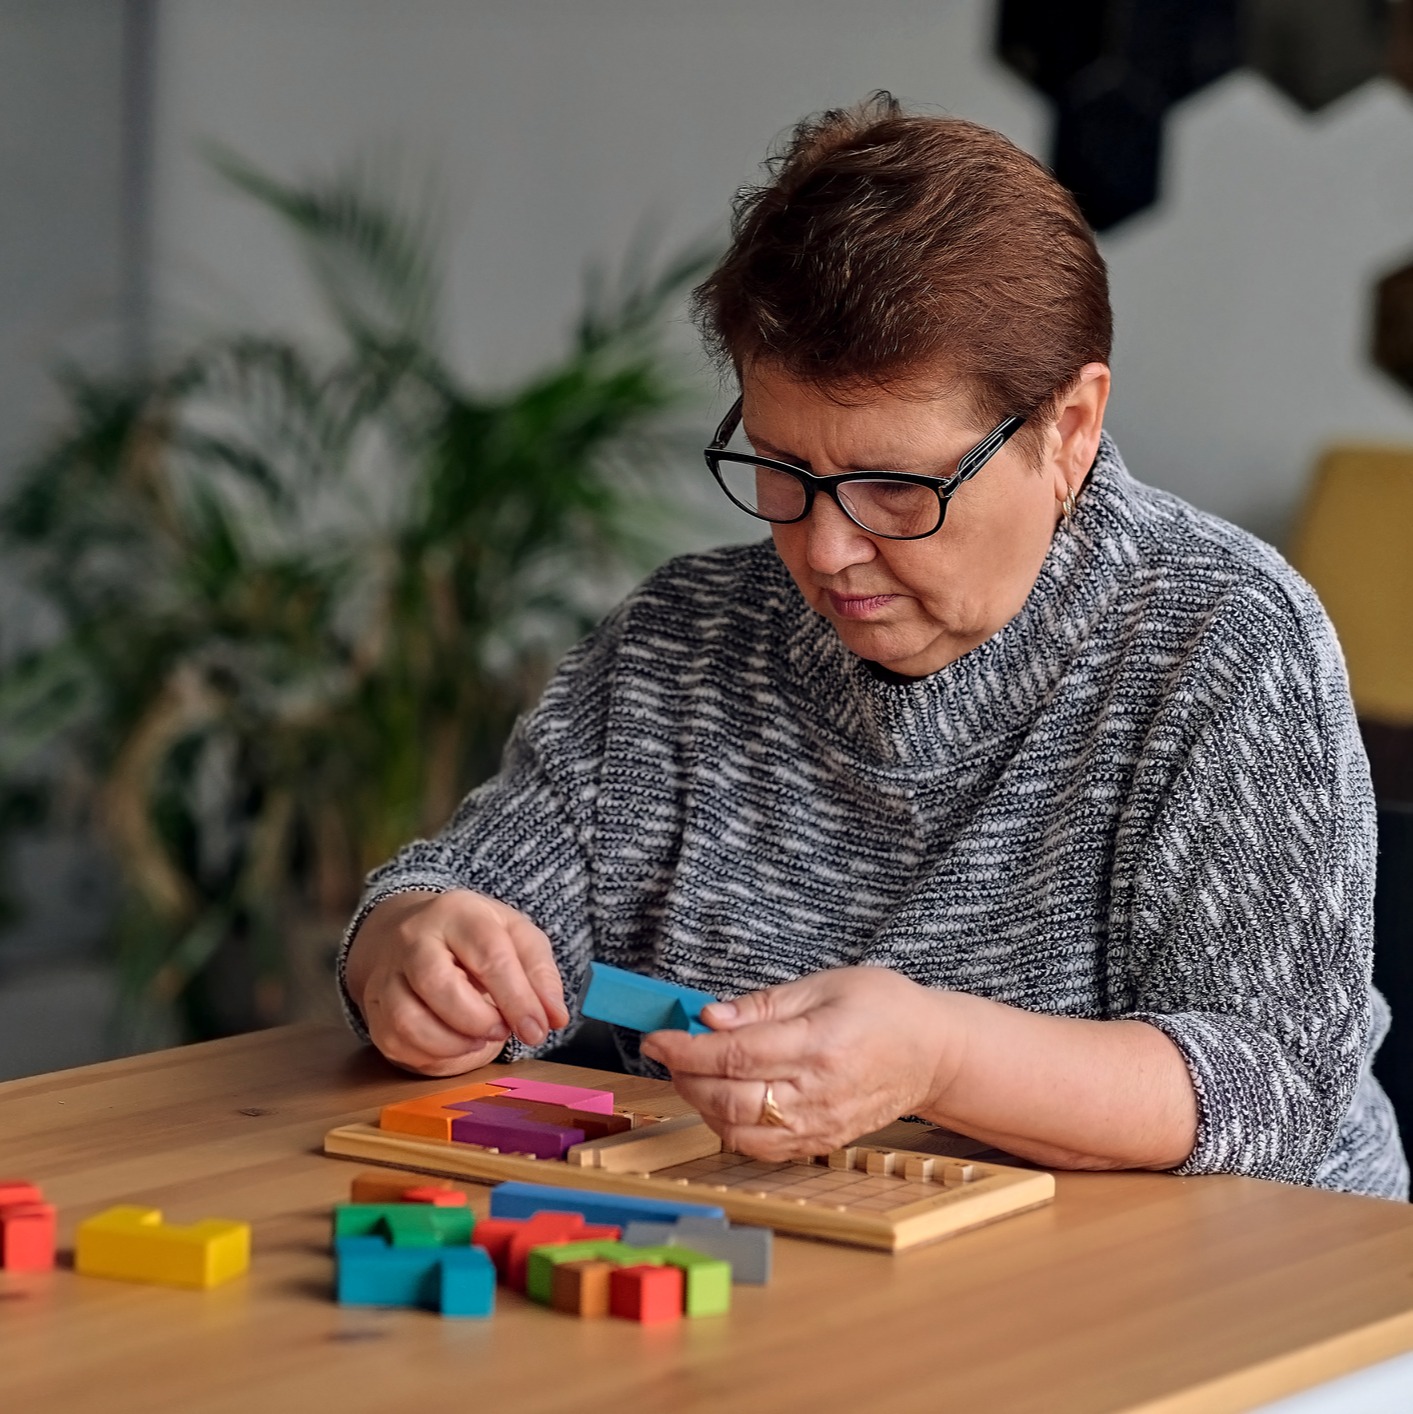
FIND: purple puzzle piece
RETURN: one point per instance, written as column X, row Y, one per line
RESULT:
column 495, row 1127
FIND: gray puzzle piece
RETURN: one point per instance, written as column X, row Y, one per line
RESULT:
column 748, row 1249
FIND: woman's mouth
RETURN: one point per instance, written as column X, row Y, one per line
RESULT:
column 859, row 606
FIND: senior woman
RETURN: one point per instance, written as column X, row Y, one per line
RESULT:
column 995, row 788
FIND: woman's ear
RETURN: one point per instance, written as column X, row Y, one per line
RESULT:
column 1079, row 420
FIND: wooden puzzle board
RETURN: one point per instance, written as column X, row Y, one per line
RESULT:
column 888, row 1211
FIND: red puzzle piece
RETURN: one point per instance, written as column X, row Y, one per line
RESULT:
column 652, row 1295
column 27, row 1237
column 508, row 1241
column 438, row 1197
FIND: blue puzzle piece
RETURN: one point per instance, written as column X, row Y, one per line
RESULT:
column 643, row 1003
column 524, row 1200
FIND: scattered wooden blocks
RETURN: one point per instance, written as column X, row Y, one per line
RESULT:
column 539, row 1269
column 523, row 1200
column 405, row 1224
column 457, row 1281
column 582, row 1288
column 468, row 1283
column 403, row 1188
column 706, row 1281
column 26, row 1228
column 747, row 1249
column 134, row 1244
column 705, row 1288
column 509, row 1241
column 643, row 1003
column 652, row 1295
column 437, row 1197
column 370, row 1272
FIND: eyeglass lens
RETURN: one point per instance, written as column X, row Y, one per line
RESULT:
column 885, row 507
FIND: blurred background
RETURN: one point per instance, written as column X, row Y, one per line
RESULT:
column 345, row 378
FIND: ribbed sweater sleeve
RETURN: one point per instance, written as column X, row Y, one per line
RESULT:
column 1252, row 910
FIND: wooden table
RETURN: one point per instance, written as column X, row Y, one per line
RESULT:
column 1133, row 1291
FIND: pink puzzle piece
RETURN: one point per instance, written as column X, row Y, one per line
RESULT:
column 594, row 1101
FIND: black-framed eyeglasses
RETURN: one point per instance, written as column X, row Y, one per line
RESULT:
column 896, row 505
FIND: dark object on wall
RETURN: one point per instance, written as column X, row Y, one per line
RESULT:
column 1113, row 68
column 1316, row 51
column 1400, row 42
column 1108, row 146
column 1390, row 749
column 1393, row 959
column 1393, row 325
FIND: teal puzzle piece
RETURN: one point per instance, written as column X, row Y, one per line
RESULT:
column 643, row 1003
column 457, row 1281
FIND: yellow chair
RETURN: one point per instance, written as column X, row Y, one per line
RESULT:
column 1354, row 542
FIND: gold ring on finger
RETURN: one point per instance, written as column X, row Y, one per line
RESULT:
column 770, row 1111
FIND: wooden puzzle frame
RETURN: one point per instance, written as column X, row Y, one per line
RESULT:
column 897, row 1198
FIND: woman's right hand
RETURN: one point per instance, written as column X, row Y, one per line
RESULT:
column 442, row 979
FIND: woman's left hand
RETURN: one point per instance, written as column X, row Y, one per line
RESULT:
column 844, row 1052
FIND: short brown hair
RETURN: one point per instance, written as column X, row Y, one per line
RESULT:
column 889, row 246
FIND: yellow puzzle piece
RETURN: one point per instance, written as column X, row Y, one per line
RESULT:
column 134, row 1244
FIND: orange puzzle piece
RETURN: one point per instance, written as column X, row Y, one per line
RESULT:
column 429, row 1117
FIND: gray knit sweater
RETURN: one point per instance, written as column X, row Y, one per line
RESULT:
column 1144, row 797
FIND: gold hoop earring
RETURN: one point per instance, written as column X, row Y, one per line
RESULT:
column 1067, row 506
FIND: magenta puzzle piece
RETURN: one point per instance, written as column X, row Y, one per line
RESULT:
column 594, row 1101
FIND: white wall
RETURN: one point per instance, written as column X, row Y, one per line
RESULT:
column 61, row 287
column 60, row 184
column 556, row 127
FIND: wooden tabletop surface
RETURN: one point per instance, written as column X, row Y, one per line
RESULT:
column 1132, row 1292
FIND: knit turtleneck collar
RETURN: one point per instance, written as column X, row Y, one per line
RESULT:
column 1005, row 681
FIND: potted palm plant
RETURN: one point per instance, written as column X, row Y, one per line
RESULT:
column 300, row 595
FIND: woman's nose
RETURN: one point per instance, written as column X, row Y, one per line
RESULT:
column 832, row 541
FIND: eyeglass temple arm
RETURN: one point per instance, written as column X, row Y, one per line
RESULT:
column 986, row 449
column 727, row 426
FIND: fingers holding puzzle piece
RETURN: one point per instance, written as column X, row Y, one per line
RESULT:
column 641, row 1003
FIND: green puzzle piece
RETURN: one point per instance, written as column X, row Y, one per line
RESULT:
column 706, row 1280
column 406, row 1224
column 539, row 1269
